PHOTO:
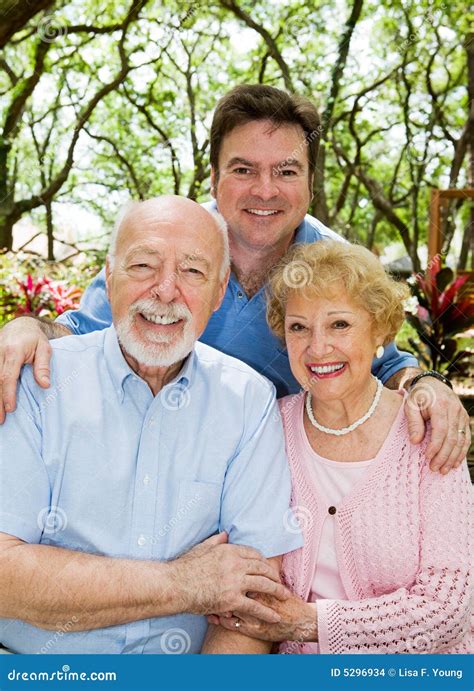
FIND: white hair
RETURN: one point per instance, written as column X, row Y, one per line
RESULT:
column 216, row 216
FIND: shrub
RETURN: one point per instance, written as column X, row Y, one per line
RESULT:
column 31, row 285
column 439, row 312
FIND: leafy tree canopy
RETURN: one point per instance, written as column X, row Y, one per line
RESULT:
column 104, row 100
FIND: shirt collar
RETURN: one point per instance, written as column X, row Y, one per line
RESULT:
column 302, row 234
column 120, row 370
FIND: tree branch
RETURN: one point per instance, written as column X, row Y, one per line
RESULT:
column 338, row 70
column 320, row 205
column 382, row 204
column 125, row 162
column 25, row 90
column 14, row 15
column 6, row 68
column 273, row 49
column 175, row 167
column 27, row 204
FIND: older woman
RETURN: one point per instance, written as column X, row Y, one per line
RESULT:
column 385, row 565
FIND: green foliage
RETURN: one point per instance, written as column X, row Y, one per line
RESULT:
column 401, row 103
column 29, row 284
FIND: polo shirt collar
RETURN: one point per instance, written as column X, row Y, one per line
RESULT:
column 303, row 234
column 120, row 370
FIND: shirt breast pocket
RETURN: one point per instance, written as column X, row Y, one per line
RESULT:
column 197, row 514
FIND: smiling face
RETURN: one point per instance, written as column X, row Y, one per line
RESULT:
column 331, row 343
column 262, row 186
column 164, row 282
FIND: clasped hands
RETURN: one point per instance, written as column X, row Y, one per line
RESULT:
column 298, row 620
column 215, row 578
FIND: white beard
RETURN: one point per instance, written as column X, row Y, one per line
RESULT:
column 158, row 351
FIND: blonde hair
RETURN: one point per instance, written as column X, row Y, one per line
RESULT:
column 328, row 267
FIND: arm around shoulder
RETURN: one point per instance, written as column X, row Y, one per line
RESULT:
column 25, row 341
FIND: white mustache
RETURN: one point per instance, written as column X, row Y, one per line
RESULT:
column 155, row 308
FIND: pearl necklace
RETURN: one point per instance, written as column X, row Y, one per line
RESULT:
column 351, row 428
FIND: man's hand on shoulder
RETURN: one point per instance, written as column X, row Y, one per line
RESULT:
column 24, row 341
column 431, row 399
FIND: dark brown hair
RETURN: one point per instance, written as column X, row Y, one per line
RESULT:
column 248, row 102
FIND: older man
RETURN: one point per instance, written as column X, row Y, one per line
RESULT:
column 264, row 145
column 146, row 444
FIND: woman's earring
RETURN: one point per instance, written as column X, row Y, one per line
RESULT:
column 379, row 352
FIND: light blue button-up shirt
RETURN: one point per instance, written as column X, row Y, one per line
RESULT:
column 239, row 327
column 97, row 464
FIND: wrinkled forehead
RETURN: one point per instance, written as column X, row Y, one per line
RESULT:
column 169, row 233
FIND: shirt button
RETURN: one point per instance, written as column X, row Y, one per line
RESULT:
column 240, row 294
column 332, row 510
column 141, row 541
column 146, row 480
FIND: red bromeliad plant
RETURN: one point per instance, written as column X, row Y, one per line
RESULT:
column 439, row 312
column 31, row 295
column 64, row 298
column 43, row 297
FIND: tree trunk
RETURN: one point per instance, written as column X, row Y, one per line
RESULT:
column 464, row 145
column 467, row 247
column 469, row 45
column 370, row 239
column 468, row 239
column 5, row 200
column 15, row 14
column 319, row 207
column 6, row 232
column 50, row 230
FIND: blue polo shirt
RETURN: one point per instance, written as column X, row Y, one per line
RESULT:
column 239, row 328
column 97, row 464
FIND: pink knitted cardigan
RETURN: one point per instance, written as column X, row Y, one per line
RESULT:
column 403, row 539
